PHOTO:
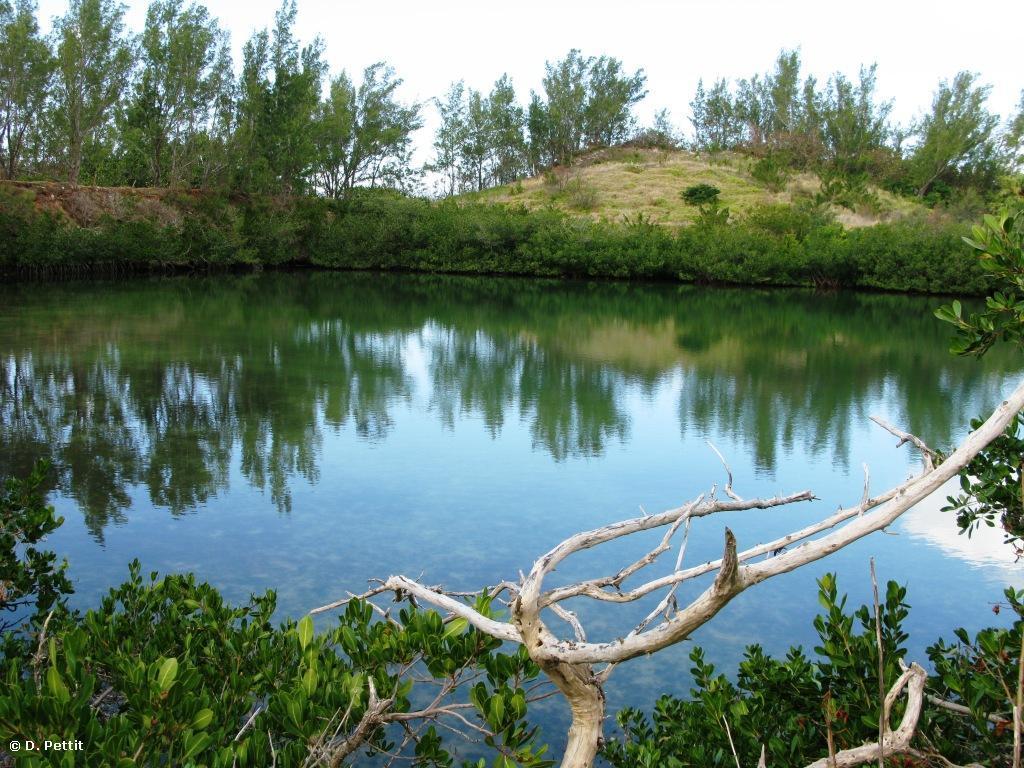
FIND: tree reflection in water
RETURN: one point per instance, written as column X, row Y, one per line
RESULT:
column 159, row 384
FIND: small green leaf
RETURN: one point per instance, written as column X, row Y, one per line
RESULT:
column 202, row 719
column 456, row 627
column 305, row 630
column 309, row 681
column 195, row 744
column 168, row 671
column 56, row 686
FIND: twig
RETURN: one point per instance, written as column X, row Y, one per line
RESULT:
column 37, row 657
column 728, row 486
column 1017, row 706
column 883, row 715
column 960, row 709
column 248, row 722
column 732, row 746
column 927, row 454
column 101, row 696
column 572, row 619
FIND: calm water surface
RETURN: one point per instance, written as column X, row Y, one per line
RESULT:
column 309, row 431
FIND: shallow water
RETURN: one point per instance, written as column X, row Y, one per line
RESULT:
column 309, row 431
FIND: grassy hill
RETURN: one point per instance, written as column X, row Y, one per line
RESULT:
column 613, row 184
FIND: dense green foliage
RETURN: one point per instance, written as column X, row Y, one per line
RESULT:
column 180, row 672
column 999, row 242
column 793, row 706
column 774, row 245
column 700, row 193
column 842, row 132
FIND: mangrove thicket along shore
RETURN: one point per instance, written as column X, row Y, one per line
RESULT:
column 52, row 229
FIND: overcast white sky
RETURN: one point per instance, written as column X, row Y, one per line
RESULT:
column 431, row 43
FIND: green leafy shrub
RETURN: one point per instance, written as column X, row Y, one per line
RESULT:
column 179, row 672
column 772, row 172
column 384, row 230
column 792, row 706
column 700, row 194
column 580, row 196
column 979, row 673
column 999, row 243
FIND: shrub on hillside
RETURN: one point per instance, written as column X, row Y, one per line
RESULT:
column 772, row 172
column 700, row 194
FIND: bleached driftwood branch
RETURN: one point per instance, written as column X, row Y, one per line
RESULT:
column 568, row 661
column 893, row 742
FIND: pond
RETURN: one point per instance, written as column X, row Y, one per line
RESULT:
column 308, row 431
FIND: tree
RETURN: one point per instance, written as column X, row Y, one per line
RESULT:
column 661, row 134
column 571, row 663
column 449, row 138
column 213, row 146
column 611, row 94
column 754, row 108
column 479, row 141
column 94, row 62
column 364, row 134
column 853, row 124
column 784, row 94
column 538, row 129
column 588, row 103
column 279, row 95
column 508, row 121
column 1015, row 132
column 765, row 109
column 254, row 97
column 716, row 125
column 26, row 65
column 477, row 145
column 565, row 91
column 956, row 134
column 185, row 66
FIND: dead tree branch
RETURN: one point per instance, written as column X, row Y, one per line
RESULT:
column 893, row 742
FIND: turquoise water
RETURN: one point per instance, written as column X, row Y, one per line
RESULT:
column 310, row 431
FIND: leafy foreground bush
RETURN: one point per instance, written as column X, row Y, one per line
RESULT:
column 165, row 672
column 773, row 245
column 802, row 708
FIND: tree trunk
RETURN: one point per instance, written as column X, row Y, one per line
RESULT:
column 586, row 699
column 74, row 161
column 575, row 681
